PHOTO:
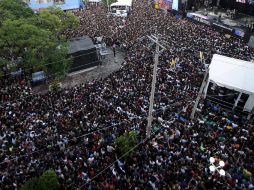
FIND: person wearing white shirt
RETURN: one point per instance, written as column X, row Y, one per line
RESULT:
column 110, row 148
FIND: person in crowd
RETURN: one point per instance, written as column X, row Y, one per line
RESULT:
column 72, row 131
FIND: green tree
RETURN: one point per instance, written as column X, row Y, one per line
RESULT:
column 36, row 38
column 126, row 142
column 14, row 9
column 31, row 184
column 61, row 63
column 19, row 37
column 49, row 181
column 56, row 20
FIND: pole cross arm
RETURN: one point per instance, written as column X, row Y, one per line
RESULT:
column 160, row 52
column 156, row 40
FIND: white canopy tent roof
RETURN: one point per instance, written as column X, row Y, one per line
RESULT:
column 234, row 74
column 122, row 3
column 94, row 1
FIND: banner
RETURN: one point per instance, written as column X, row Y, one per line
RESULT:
column 202, row 20
column 223, row 27
column 199, row 18
column 163, row 4
column 239, row 32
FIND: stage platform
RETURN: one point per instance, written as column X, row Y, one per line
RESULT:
column 240, row 20
column 222, row 21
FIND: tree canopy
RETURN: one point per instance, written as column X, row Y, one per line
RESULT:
column 56, row 20
column 35, row 38
column 126, row 142
column 14, row 9
column 33, row 183
column 47, row 181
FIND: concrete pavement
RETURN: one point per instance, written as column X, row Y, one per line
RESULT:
column 108, row 66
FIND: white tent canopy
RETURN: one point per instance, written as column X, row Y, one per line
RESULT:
column 94, row 1
column 233, row 74
column 122, row 3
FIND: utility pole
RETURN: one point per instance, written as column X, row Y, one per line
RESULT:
column 199, row 95
column 108, row 5
column 154, row 39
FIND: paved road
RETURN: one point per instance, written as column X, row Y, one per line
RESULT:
column 108, row 66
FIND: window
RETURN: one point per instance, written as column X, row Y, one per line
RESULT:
column 59, row 1
column 43, row 1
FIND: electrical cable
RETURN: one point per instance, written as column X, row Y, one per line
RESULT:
column 122, row 156
column 7, row 102
column 77, row 137
column 46, row 146
column 142, row 142
column 38, row 66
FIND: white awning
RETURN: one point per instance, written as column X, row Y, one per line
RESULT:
column 94, row 1
column 232, row 73
column 122, row 3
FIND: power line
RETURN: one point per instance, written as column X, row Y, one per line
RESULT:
column 49, row 76
column 58, row 73
column 143, row 116
column 142, row 142
column 54, row 145
column 102, row 171
column 25, row 97
column 72, row 57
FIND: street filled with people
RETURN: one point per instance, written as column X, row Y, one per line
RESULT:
column 72, row 131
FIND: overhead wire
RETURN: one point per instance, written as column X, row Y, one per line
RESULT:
column 123, row 155
column 77, row 137
column 27, row 96
column 47, row 64
column 54, row 145
column 72, row 57
column 111, row 164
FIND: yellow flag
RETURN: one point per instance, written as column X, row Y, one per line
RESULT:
column 246, row 173
column 173, row 63
column 201, row 56
column 156, row 5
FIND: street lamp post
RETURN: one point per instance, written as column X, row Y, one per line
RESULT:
column 217, row 168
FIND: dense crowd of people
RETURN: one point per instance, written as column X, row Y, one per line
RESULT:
column 72, row 131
